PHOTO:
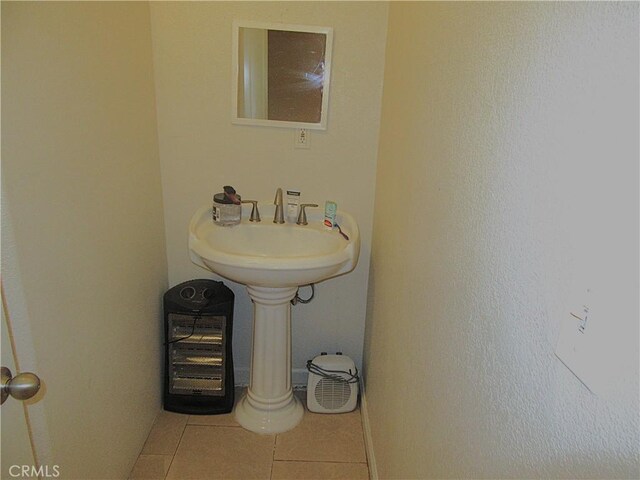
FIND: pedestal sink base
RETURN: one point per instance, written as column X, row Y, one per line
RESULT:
column 276, row 420
column 269, row 405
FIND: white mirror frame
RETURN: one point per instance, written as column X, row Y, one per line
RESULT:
column 328, row 31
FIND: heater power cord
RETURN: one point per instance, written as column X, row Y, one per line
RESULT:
column 197, row 316
column 338, row 375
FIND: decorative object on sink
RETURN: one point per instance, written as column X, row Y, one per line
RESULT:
column 273, row 260
column 281, row 74
column 226, row 209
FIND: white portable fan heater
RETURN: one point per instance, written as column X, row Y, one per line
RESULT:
column 332, row 385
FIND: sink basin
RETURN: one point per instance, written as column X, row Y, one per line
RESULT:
column 274, row 255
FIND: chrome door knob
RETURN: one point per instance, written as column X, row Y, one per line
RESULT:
column 21, row 387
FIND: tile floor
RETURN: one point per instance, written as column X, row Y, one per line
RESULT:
column 185, row 447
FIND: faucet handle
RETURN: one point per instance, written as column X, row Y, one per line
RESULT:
column 302, row 216
column 255, row 214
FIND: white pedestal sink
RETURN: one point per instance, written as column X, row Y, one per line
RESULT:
column 272, row 260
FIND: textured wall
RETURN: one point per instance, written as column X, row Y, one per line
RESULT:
column 507, row 172
column 200, row 150
column 84, row 263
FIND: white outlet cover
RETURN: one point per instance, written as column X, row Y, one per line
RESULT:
column 301, row 138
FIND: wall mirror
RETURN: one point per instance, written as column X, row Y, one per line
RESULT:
column 281, row 75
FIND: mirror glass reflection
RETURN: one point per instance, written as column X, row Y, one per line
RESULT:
column 281, row 75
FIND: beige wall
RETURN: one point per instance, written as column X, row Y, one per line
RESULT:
column 200, row 150
column 509, row 142
column 83, row 252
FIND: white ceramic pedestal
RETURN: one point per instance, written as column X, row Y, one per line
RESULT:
column 269, row 405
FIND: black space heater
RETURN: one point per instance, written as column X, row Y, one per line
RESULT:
column 198, row 317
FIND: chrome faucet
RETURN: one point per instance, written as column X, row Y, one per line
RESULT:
column 278, row 217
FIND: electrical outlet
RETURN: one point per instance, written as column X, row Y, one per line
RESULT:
column 301, row 139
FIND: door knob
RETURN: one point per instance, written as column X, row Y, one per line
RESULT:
column 21, row 387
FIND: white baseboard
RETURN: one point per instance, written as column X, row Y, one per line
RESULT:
column 299, row 377
column 366, row 429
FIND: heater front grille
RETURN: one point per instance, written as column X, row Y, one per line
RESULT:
column 196, row 354
column 332, row 386
column 332, row 394
column 196, row 386
column 189, row 359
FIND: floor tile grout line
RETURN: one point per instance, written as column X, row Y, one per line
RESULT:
column 144, row 444
column 273, row 456
column 215, row 426
column 322, row 461
column 173, row 457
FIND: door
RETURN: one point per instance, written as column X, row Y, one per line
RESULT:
column 19, row 420
column 17, row 453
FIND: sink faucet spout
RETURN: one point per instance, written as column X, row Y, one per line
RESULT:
column 278, row 217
